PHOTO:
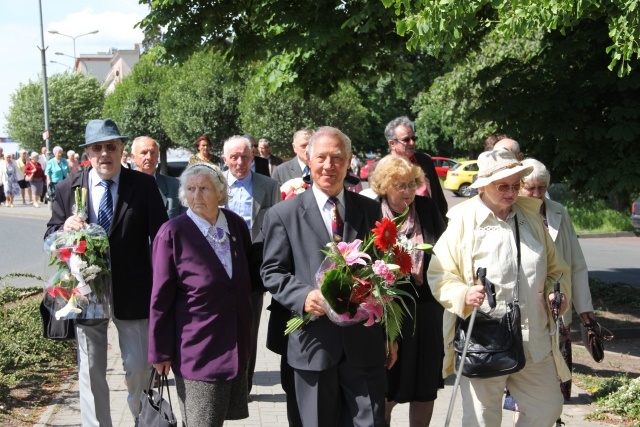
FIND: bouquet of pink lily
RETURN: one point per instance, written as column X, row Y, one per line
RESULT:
column 361, row 284
column 81, row 288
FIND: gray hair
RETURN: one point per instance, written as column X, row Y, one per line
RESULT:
column 133, row 144
column 330, row 131
column 508, row 143
column 214, row 173
column 57, row 149
column 228, row 142
column 539, row 172
column 302, row 133
column 71, row 153
column 390, row 129
column 265, row 140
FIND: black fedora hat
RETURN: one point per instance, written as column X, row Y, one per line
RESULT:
column 101, row 130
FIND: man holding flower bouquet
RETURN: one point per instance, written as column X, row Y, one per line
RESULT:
column 339, row 370
column 128, row 205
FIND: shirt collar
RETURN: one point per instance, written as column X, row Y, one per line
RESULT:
column 95, row 179
column 204, row 225
column 483, row 212
column 301, row 163
column 322, row 198
column 231, row 180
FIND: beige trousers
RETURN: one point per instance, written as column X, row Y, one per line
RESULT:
column 536, row 388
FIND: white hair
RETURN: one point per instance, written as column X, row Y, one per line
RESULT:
column 214, row 173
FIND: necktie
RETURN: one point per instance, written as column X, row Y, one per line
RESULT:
column 337, row 225
column 105, row 210
column 306, row 171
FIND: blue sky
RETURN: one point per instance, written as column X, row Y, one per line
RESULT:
column 20, row 37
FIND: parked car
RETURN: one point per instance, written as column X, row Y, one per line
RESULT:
column 635, row 213
column 460, row 177
column 364, row 170
column 176, row 166
column 443, row 164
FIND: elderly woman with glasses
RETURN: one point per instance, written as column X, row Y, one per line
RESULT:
column 200, row 319
column 505, row 234
column 417, row 375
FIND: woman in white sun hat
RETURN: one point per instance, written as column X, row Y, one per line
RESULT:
column 483, row 232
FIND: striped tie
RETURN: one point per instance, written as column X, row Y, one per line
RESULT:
column 306, row 171
column 105, row 210
column 337, row 225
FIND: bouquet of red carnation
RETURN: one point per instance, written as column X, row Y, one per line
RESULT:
column 81, row 288
column 359, row 280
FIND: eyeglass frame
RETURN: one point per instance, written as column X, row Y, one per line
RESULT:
column 412, row 185
column 99, row 148
column 408, row 139
column 519, row 185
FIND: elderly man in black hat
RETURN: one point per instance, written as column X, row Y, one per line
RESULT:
column 128, row 205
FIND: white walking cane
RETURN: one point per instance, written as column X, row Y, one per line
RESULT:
column 459, row 373
column 482, row 274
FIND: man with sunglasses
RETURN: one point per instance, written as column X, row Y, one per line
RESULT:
column 402, row 142
column 128, row 205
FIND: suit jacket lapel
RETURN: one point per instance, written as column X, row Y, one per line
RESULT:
column 553, row 219
column 353, row 217
column 123, row 198
column 311, row 216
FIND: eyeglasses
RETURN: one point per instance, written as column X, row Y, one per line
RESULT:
column 406, row 185
column 98, row 148
column 406, row 139
column 503, row 188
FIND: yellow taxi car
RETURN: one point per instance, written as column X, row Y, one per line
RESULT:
column 460, row 177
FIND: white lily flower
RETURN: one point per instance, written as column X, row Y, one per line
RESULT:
column 75, row 266
column 71, row 307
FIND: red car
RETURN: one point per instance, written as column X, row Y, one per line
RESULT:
column 443, row 164
column 364, row 170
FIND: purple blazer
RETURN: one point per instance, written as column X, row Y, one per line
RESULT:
column 200, row 319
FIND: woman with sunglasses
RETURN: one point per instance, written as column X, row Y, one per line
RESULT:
column 417, row 375
column 505, row 234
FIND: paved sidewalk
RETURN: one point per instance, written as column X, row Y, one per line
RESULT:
column 268, row 408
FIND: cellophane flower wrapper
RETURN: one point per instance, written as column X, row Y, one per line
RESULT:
column 81, row 286
column 359, row 280
column 292, row 188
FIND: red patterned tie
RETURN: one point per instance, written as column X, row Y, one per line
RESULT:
column 337, row 225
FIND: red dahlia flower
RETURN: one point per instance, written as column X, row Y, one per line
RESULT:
column 385, row 233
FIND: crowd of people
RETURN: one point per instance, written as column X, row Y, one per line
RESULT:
column 192, row 258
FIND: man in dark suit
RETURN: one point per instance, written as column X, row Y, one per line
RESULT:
column 250, row 196
column 145, row 152
column 264, row 147
column 402, row 142
column 339, row 372
column 298, row 166
column 133, row 202
column 258, row 164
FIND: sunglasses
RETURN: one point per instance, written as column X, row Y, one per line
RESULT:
column 503, row 188
column 99, row 148
column 406, row 139
column 406, row 185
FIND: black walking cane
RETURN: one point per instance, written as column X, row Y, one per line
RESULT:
column 490, row 292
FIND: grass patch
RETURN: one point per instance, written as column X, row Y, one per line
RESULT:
column 617, row 396
column 589, row 214
column 30, row 365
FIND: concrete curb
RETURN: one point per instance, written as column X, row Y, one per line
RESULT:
column 612, row 234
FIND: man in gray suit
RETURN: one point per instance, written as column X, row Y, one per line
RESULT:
column 250, row 196
column 298, row 166
column 145, row 152
column 339, row 372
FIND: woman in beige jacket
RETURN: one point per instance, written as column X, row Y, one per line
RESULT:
column 481, row 234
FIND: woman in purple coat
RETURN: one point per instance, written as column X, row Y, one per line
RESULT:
column 200, row 318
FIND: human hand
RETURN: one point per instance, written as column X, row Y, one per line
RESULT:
column 163, row 367
column 392, row 355
column 475, row 296
column 73, row 223
column 563, row 304
column 588, row 317
column 313, row 303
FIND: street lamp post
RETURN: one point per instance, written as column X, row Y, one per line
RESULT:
column 60, row 63
column 75, row 58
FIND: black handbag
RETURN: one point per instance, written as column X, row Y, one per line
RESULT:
column 593, row 338
column 54, row 329
column 155, row 411
column 495, row 345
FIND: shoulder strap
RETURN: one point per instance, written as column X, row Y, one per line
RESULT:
column 515, row 290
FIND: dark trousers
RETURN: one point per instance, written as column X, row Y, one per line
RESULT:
column 287, row 380
column 257, row 301
column 344, row 395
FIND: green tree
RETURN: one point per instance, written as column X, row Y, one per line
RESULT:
column 74, row 99
column 278, row 115
column 447, row 26
column 200, row 97
column 312, row 44
column 135, row 104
